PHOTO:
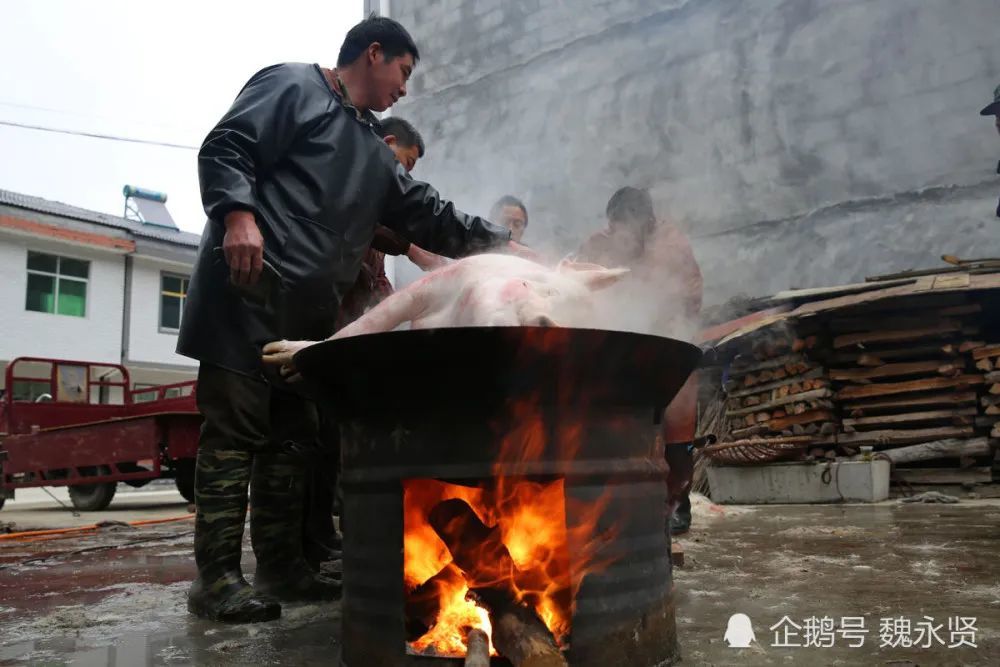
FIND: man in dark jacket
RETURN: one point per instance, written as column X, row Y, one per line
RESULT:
column 294, row 179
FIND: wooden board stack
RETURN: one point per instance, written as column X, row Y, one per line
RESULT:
column 913, row 378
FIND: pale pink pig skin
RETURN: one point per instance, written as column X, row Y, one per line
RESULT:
column 491, row 290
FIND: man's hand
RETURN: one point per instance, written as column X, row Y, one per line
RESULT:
column 427, row 261
column 280, row 353
column 243, row 247
column 525, row 252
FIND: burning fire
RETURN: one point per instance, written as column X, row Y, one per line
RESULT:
column 513, row 535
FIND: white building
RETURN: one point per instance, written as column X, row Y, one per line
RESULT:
column 88, row 286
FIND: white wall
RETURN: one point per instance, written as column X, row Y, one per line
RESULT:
column 802, row 143
column 147, row 342
column 95, row 337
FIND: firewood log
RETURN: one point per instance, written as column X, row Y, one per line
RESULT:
column 518, row 633
column 478, row 649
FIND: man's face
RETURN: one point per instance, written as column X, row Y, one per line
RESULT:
column 407, row 155
column 387, row 77
column 514, row 219
column 628, row 233
column 626, row 225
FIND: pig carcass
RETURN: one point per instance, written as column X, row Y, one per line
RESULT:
column 480, row 291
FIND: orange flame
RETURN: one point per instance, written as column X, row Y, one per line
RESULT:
column 530, row 556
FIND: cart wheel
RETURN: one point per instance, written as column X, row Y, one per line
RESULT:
column 184, row 479
column 93, row 497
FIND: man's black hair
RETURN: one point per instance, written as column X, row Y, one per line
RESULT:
column 393, row 37
column 630, row 204
column 508, row 200
column 404, row 132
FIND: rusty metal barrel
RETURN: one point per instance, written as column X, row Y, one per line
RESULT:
column 438, row 404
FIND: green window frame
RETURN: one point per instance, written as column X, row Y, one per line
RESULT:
column 56, row 284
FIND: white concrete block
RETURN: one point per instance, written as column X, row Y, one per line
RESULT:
column 828, row 482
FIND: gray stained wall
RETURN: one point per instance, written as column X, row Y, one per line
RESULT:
column 801, row 142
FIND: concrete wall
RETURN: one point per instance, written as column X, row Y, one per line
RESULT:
column 96, row 337
column 802, row 142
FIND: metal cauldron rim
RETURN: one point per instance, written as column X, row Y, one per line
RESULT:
column 447, row 368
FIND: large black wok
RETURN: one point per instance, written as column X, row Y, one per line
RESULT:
column 450, row 368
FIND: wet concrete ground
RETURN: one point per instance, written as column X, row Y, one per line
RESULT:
column 117, row 598
column 888, row 560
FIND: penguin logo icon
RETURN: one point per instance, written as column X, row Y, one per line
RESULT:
column 739, row 632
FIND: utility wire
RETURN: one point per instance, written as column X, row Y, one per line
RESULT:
column 80, row 114
column 95, row 135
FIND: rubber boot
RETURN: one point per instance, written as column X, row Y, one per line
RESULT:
column 276, row 496
column 220, row 593
column 680, row 520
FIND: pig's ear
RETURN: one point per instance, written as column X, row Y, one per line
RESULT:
column 568, row 265
column 594, row 276
column 598, row 279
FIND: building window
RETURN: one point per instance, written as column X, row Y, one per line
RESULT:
column 173, row 293
column 57, row 284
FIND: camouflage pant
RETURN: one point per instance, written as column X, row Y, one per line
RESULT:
column 258, row 437
column 321, row 485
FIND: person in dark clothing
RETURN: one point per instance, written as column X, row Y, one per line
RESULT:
column 993, row 109
column 321, row 540
column 294, row 179
column 372, row 286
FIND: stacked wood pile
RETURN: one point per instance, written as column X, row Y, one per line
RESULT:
column 778, row 391
column 915, row 377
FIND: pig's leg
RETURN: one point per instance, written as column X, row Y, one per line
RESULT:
column 406, row 305
column 398, row 308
